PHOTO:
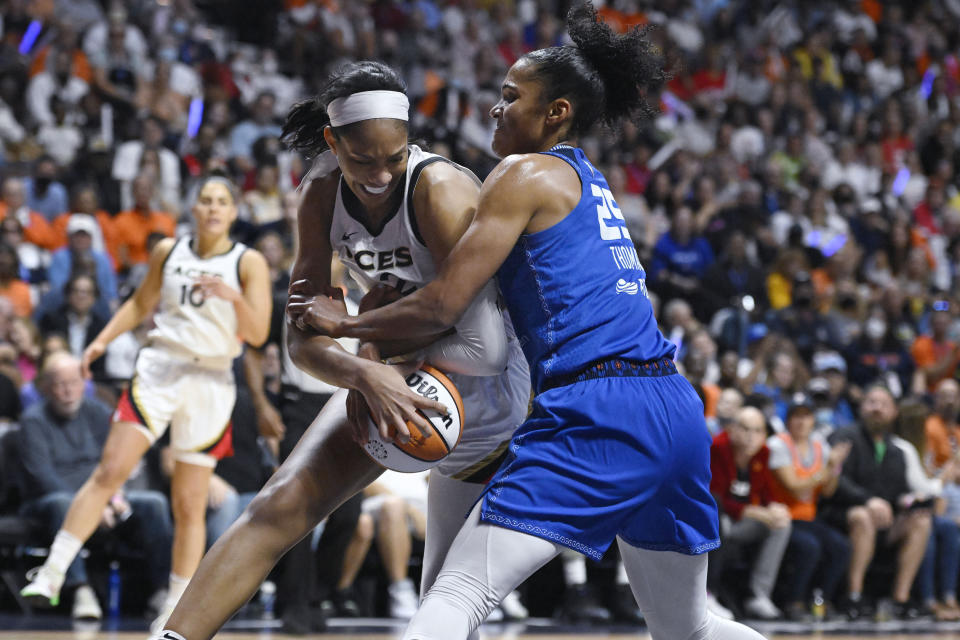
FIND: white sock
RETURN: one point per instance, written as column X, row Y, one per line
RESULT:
column 178, row 584
column 63, row 551
column 622, row 574
column 166, row 634
column 574, row 569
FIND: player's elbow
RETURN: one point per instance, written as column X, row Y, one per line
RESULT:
column 443, row 312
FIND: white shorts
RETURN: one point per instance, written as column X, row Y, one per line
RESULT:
column 195, row 402
column 494, row 406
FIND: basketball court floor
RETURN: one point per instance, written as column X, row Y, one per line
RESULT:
column 49, row 627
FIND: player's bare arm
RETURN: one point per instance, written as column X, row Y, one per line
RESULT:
column 132, row 312
column 513, row 199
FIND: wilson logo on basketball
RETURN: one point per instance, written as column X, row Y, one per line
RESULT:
column 426, row 447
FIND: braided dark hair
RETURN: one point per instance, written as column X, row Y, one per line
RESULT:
column 303, row 128
column 604, row 74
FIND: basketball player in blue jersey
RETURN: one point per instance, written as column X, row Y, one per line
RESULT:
column 616, row 445
column 391, row 212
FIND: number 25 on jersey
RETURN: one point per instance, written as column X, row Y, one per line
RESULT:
column 608, row 212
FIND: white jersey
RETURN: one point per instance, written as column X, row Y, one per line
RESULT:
column 395, row 254
column 203, row 330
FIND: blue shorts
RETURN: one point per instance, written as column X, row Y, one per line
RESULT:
column 607, row 457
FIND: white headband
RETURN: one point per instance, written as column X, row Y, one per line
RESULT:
column 367, row 105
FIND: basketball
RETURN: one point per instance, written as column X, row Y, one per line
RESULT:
column 423, row 450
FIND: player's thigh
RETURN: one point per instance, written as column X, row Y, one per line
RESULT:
column 325, row 468
column 126, row 443
column 492, row 558
column 670, row 589
column 448, row 503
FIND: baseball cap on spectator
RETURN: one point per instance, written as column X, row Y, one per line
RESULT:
column 799, row 402
column 82, row 222
column 824, row 361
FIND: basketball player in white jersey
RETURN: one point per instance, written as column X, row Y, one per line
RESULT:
column 391, row 212
column 209, row 294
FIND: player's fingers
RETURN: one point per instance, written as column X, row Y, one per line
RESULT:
column 427, row 403
column 295, row 309
column 300, row 286
column 402, row 431
column 419, row 421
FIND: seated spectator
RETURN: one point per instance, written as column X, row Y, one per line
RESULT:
column 264, row 200
column 34, row 261
column 784, row 375
column 805, row 468
column 742, row 485
column 136, row 157
column 61, row 138
column 134, row 226
column 733, row 277
column 833, row 408
column 83, row 199
column 11, row 286
column 77, row 319
column 30, row 393
column 728, row 406
column 942, row 430
column 58, row 82
column 259, row 124
column 935, row 355
column 77, row 257
column 45, row 194
column 25, row 338
column 36, row 229
column 60, row 441
column 780, row 280
column 878, row 357
column 680, row 260
column 942, row 558
column 161, row 100
column 393, row 512
column 872, row 504
column 801, row 320
column 119, row 63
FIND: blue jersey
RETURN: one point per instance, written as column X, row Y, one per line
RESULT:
column 576, row 291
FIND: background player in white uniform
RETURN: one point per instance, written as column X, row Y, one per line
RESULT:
column 392, row 212
column 209, row 294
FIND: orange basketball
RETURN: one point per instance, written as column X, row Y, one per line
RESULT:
column 423, row 450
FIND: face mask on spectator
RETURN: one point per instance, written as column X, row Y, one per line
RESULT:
column 876, row 328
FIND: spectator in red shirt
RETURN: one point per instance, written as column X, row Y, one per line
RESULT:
column 742, row 485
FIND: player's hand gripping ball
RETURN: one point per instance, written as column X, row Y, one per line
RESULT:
column 424, row 450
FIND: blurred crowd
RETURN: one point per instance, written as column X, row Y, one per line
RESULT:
column 796, row 204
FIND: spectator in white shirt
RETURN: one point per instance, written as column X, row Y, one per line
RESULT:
column 57, row 82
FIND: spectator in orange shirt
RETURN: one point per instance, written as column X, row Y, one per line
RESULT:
column 11, row 286
column 36, row 229
column 935, row 355
column 941, row 427
column 133, row 227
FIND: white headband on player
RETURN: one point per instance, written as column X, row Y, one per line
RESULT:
column 367, row 105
